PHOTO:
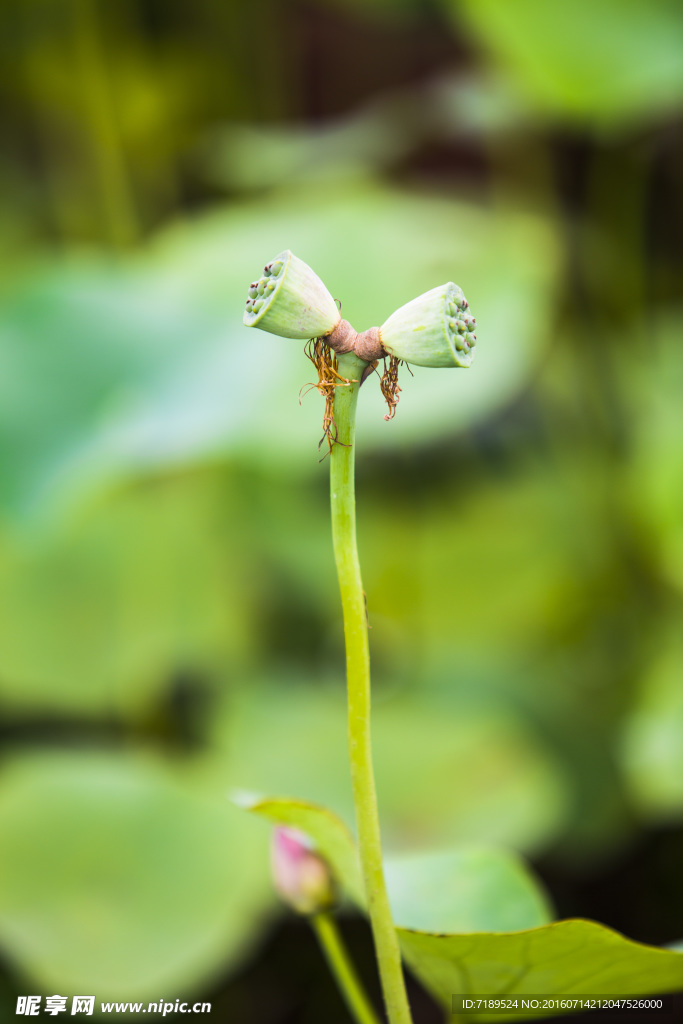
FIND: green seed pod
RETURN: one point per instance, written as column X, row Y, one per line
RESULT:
column 253, row 291
column 423, row 331
column 298, row 306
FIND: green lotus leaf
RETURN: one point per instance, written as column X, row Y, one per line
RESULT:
column 484, row 898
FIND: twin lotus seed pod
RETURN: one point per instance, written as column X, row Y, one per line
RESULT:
column 434, row 329
column 290, row 300
column 301, row 876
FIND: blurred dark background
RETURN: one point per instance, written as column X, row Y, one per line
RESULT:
column 169, row 619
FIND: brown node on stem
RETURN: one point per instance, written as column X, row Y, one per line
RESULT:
column 367, row 345
column 342, row 338
column 389, row 386
column 329, row 379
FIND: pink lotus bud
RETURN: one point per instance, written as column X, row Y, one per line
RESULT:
column 301, row 876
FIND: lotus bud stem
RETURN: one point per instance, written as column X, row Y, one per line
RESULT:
column 291, row 301
column 300, row 875
column 349, row 983
column 428, row 331
column 304, row 881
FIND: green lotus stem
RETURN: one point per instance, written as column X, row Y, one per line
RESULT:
column 343, row 970
column 436, row 330
column 342, row 493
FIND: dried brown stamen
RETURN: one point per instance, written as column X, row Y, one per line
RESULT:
column 389, row 386
column 329, row 379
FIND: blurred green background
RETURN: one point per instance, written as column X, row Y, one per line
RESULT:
column 169, row 619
